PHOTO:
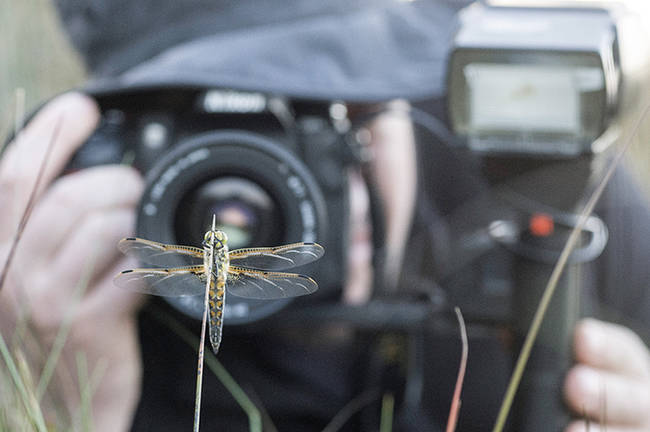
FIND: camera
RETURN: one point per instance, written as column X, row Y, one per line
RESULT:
column 272, row 170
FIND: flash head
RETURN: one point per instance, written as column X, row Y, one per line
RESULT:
column 537, row 80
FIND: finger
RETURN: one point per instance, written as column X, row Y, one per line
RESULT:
column 111, row 299
column 73, row 116
column 600, row 394
column 71, row 199
column 581, row 426
column 74, row 274
column 92, row 247
column 611, row 347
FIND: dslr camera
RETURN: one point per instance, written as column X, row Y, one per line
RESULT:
column 272, row 170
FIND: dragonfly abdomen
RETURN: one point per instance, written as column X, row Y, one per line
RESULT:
column 217, row 298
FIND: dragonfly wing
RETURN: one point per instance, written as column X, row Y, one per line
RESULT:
column 266, row 285
column 172, row 282
column 277, row 258
column 160, row 254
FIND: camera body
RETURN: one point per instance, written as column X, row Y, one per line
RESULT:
column 273, row 171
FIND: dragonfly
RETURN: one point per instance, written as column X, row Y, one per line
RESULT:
column 249, row 272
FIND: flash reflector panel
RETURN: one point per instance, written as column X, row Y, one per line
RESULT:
column 538, row 99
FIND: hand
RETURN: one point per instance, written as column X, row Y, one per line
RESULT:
column 392, row 144
column 611, row 380
column 72, row 233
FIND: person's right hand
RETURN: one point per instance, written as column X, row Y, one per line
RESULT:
column 72, row 232
column 610, row 383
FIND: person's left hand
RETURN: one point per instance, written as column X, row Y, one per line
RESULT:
column 610, row 384
column 62, row 271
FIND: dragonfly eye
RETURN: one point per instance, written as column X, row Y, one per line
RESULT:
column 219, row 236
column 206, row 238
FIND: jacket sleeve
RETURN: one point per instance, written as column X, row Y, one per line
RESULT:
column 623, row 270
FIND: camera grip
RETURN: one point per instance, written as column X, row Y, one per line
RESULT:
column 539, row 405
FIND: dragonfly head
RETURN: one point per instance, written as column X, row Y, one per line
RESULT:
column 220, row 238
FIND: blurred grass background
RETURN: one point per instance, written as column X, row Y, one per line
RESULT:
column 36, row 56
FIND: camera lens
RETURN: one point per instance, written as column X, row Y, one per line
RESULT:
column 260, row 193
column 242, row 208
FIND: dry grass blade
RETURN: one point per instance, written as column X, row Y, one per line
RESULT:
column 456, row 401
column 199, row 369
column 538, row 318
column 34, row 414
column 19, row 118
column 30, row 203
column 27, row 379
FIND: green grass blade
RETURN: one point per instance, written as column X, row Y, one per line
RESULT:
column 355, row 405
column 64, row 329
column 387, row 410
column 85, row 393
column 254, row 416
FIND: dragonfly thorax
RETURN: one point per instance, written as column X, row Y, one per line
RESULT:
column 219, row 238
